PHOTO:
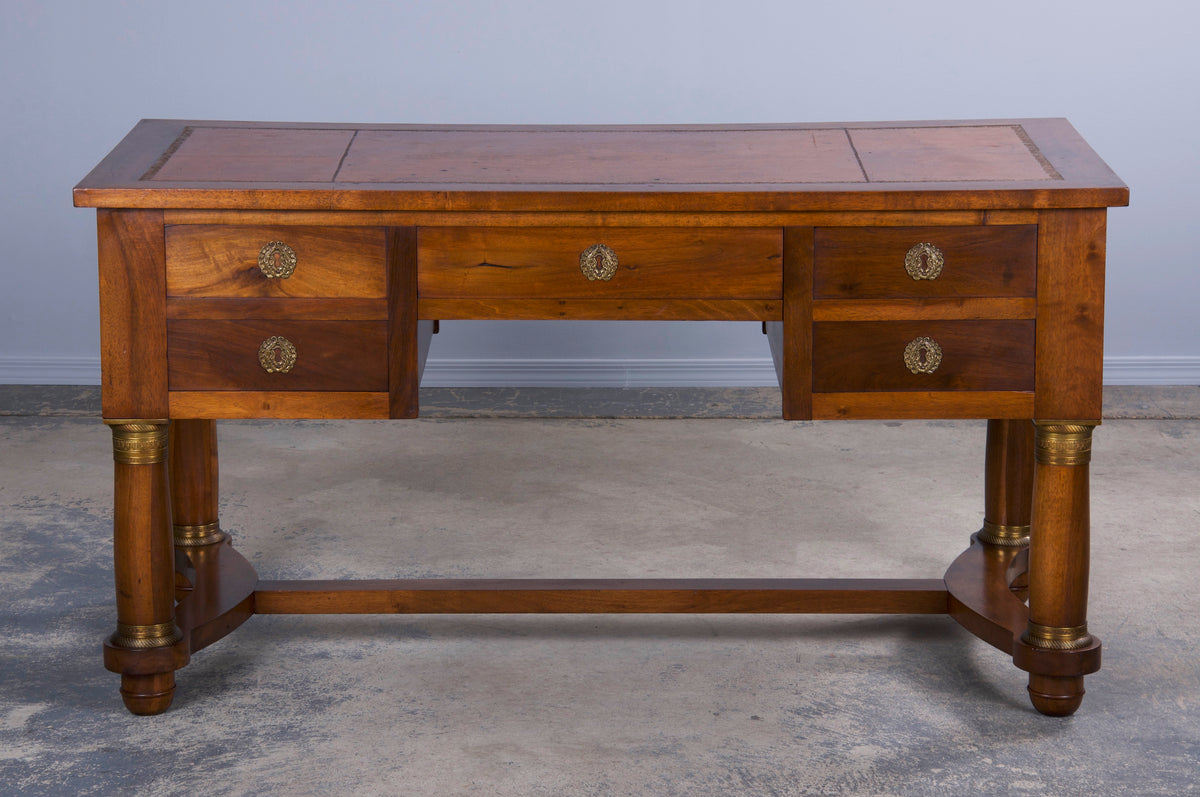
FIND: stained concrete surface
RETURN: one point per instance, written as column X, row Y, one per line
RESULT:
column 598, row 705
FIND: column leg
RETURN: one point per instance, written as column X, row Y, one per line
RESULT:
column 147, row 647
column 1008, row 484
column 194, row 488
column 1058, row 648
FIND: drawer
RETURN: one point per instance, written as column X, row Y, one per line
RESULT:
column 863, row 356
column 917, row 262
column 223, row 261
column 324, row 355
column 685, row 263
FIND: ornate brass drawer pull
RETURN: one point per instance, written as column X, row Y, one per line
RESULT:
column 277, row 260
column 924, row 262
column 277, row 355
column 923, row 356
column 598, row 262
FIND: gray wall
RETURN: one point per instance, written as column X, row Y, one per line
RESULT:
column 77, row 74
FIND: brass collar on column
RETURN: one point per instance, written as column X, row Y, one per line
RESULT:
column 196, row 536
column 1005, row 536
column 138, row 442
column 1063, row 442
column 144, row 637
column 1057, row 638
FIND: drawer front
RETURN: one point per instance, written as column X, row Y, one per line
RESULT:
column 916, row 262
column 685, row 263
column 302, row 355
column 853, row 356
column 223, row 261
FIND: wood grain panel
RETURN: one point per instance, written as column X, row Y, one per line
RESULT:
column 1070, row 331
column 133, row 330
column 222, row 260
column 791, row 341
column 667, row 263
column 979, row 261
column 456, row 218
column 603, row 309
column 853, row 357
column 405, row 344
column 586, row 596
column 923, row 309
column 331, row 355
column 277, row 404
column 279, row 309
column 918, row 404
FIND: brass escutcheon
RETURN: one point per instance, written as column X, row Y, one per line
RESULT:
column 1057, row 638
column 923, row 356
column 277, row 355
column 1063, row 442
column 277, row 260
column 138, row 442
column 144, row 637
column 924, row 262
column 598, row 262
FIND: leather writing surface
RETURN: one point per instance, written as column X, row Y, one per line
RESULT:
column 613, row 156
column 993, row 153
column 877, row 166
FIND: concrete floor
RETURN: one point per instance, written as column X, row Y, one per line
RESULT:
column 598, row 705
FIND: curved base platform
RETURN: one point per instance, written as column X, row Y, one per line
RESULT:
column 214, row 590
column 986, row 584
column 217, row 590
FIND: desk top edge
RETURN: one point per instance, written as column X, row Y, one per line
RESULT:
column 1008, row 163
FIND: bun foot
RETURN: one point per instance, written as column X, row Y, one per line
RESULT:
column 1055, row 697
column 148, row 694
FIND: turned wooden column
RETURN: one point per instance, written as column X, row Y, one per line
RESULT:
column 1008, row 484
column 1058, row 565
column 194, row 487
column 147, row 647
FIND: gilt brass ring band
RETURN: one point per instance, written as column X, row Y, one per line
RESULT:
column 139, row 442
column 144, row 637
column 1063, row 442
column 1005, row 536
column 1057, row 638
column 196, row 536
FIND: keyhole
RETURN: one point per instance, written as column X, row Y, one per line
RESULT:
column 923, row 355
column 278, row 261
column 277, row 352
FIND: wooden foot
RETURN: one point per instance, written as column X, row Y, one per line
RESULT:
column 148, row 694
column 1055, row 697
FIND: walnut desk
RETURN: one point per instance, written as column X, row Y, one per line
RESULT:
column 901, row 270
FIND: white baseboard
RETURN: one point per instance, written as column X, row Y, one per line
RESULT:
column 1152, row 370
column 49, row 370
column 690, row 372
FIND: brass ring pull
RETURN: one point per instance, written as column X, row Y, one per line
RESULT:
column 598, row 262
column 277, row 260
column 923, row 356
column 277, row 355
column 924, row 262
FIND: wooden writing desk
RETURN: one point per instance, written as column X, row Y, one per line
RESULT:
column 904, row 270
